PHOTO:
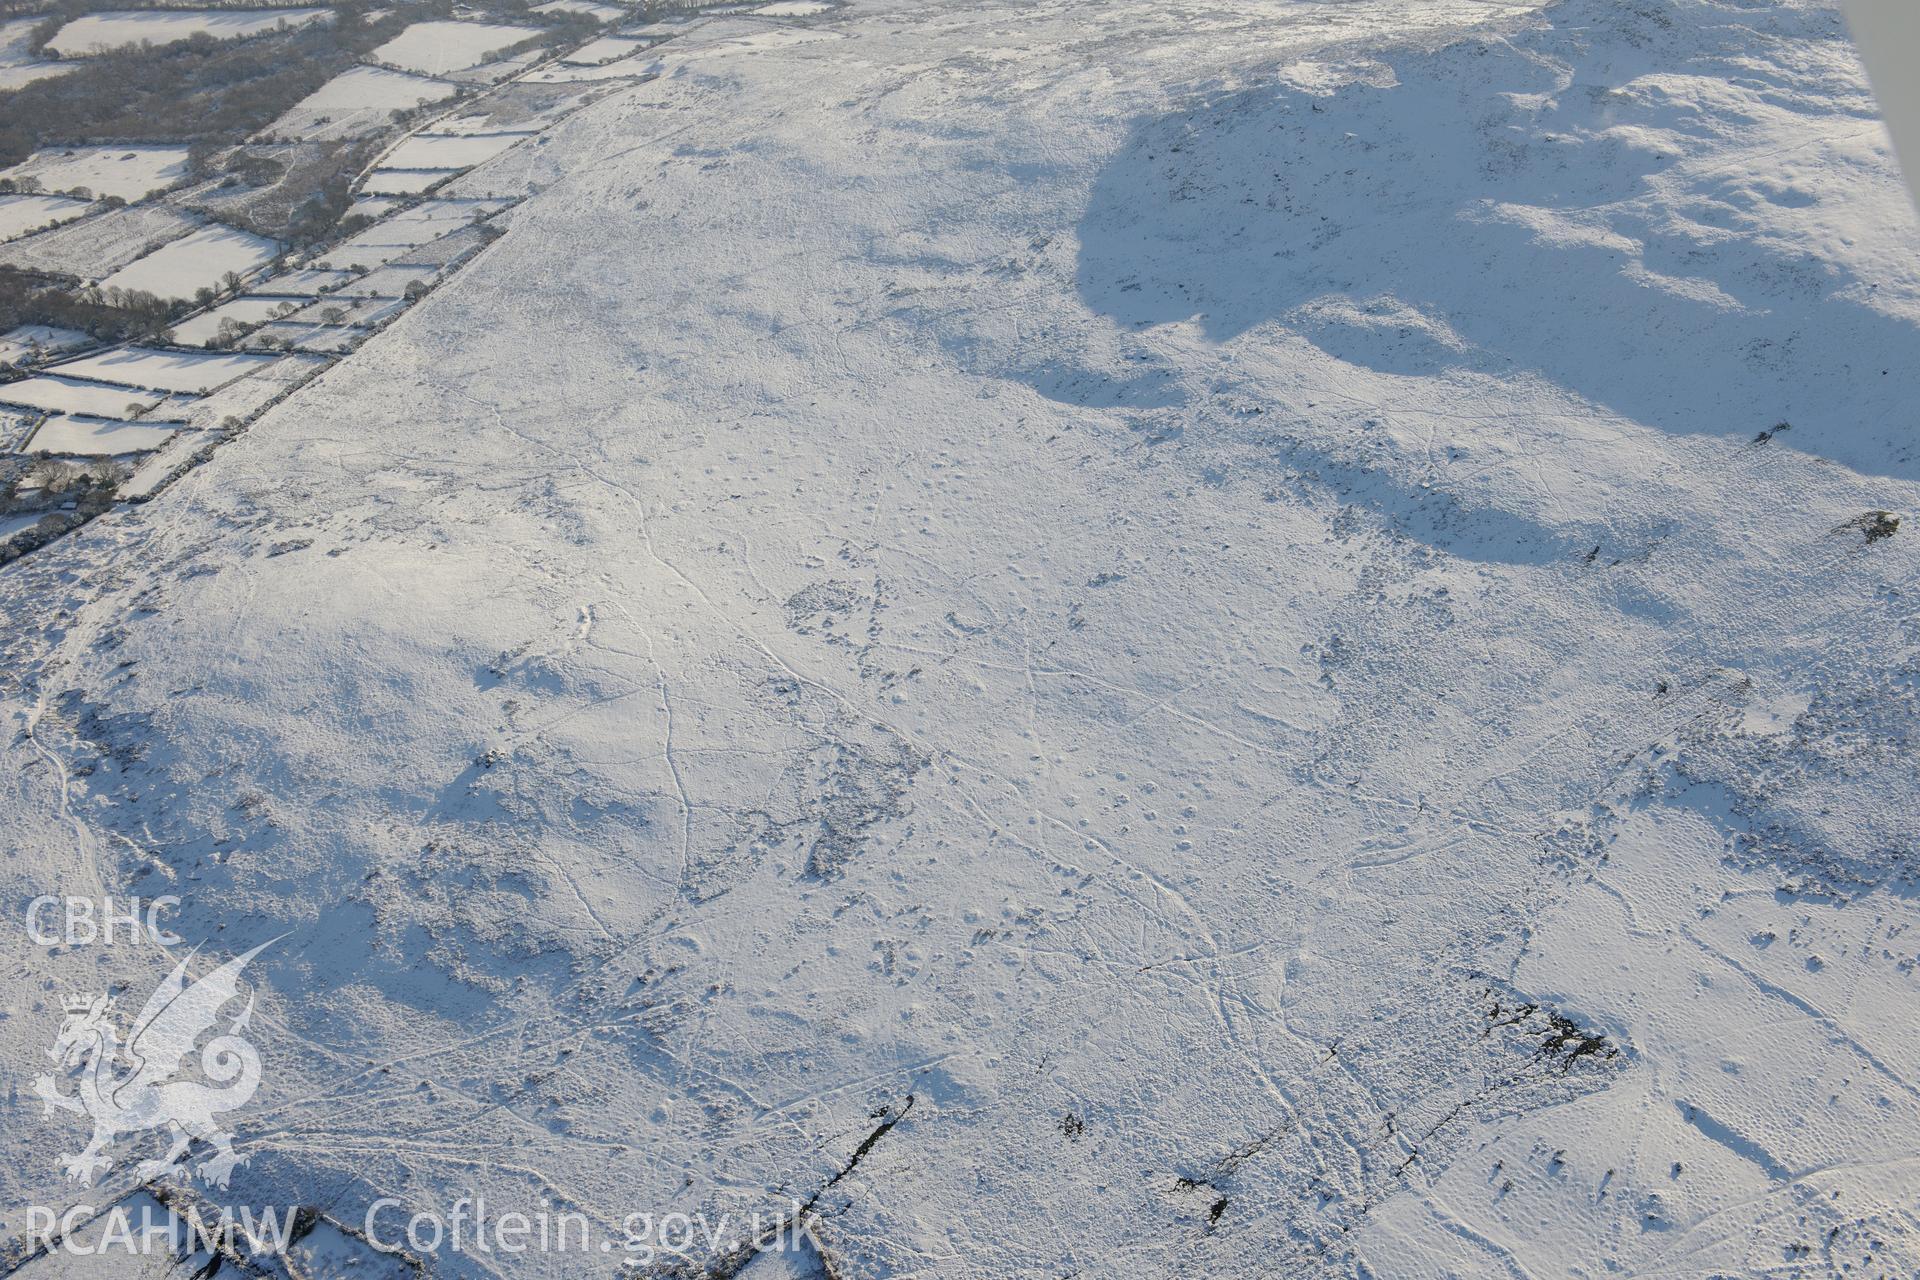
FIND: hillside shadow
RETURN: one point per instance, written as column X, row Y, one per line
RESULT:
column 1522, row 207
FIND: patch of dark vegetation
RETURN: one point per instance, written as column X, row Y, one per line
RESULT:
column 1213, row 1183
column 297, row 195
column 100, row 732
column 1566, row 1042
column 1574, row 844
column 65, row 494
column 1873, row 526
column 1562, row 1041
column 111, row 315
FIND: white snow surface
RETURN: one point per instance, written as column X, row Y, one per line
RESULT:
column 436, row 48
column 374, row 88
column 437, row 151
column 1259, row 623
column 404, row 182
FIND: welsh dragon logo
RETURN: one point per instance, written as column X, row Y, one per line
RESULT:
column 132, row 1087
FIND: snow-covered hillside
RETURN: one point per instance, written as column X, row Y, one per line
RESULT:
column 1263, row 639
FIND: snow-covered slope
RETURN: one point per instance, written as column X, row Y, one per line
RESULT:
column 1227, row 640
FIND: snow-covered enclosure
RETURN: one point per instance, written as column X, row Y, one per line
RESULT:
column 436, row 48
column 72, row 395
column 207, row 327
column 97, row 437
column 202, row 259
column 457, row 151
column 361, row 100
column 128, row 172
column 23, row 215
column 160, row 370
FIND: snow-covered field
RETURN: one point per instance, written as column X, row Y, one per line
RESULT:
column 23, row 215
column 10, row 525
column 19, row 75
column 458, row 151
column 93, row 247
column 598, row 12
column 497, row 71
column 129, row 172
column 65, row 395
column 95, row 438
column 625, row 68
column 99, row 32
column 1261, row 639
column 18, row 65
column 161, row 370
column 666, row 29
column 202, row 258
column 246, row 396
column 436, row 48
column 375, row 88
column 360, row 255
column 384, row 282
column 360, row 100
column 398, row 237
column 198, row 331
column 305, row 282
column 290, row 335
column 605, row 49
column 521, row 106
column 428, row 220
column 348, row 311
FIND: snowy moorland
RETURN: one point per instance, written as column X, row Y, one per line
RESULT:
column 1258, row 639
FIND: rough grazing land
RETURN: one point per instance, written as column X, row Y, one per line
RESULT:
column 1264, row 639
